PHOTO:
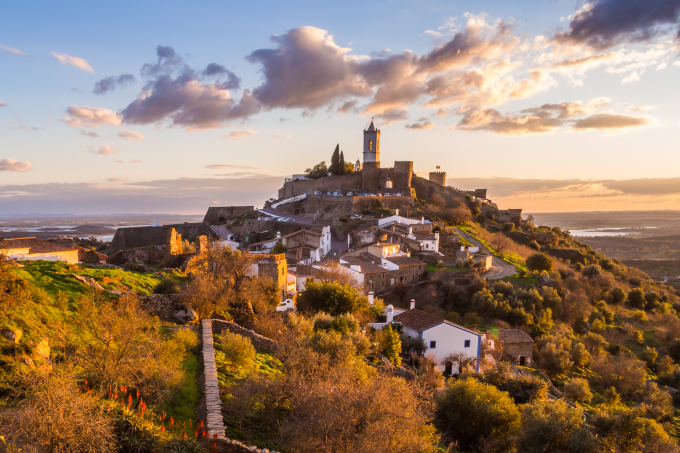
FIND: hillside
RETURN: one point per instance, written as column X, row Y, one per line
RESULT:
column 606, row 336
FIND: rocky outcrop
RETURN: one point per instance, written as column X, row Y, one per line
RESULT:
column 12, row 335
column 169, row 306
column 42, row 349
column 86, row 280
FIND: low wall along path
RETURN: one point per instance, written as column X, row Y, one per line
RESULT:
column 212, row 389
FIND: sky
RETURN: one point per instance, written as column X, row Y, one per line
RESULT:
column 170, row 107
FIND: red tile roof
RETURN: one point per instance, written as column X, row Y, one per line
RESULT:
column 35, row 245
column 419, row 320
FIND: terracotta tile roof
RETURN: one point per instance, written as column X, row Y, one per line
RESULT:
column 514, row 336
column 419, row 320
column 403, row 261
column 366, row 266
column 35, row 245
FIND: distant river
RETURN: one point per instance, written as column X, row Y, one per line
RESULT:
column 605, row 232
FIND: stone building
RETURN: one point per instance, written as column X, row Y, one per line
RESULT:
column 518, row 347
column 272, row 266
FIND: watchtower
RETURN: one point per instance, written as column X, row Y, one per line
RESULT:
column 372, row 144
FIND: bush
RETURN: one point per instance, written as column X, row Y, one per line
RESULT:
column 521, row 388
column 539, row 262
column 534, row 246
column 649, row 355
column 390, row 344
column 611, row 396
column 280, row 248
column 167, row 285
column 578, row 390
column 239, row 352
column 553, row 426
column 555, row 359
column 333, row 298
column 473, row 413
column 59, row 416
column 638, row 337
column 592, row 270
column 187, row 339
column 508, row 227
column 188, row 247
column 617, row 296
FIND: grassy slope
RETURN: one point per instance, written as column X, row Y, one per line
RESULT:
column 51, row 276
column 183, row 404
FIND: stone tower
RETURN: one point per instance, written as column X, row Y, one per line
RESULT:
column 372, row 144
column 370, row 172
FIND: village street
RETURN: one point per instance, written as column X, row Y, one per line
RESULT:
column 499, row 268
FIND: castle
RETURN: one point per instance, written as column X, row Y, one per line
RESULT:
column 370, row 178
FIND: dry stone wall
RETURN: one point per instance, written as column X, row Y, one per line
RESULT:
column 218, row 326
column 212, row 389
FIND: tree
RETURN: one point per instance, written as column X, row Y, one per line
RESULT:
column 500, row 243
column 279, row 248
column 553, row 426
column 508, row 227
column 331, row 297
column 342, row 165
column 318, row 171
column 617, row 296
column 238, row 351
column 555, row 359
column 335, row 161
column 539, row 262
column 636, row 298
column 578, row 390
column 477, row 415
column 390, row 344
column 521, row 388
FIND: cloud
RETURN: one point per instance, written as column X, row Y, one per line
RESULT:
column 15, row 165
column 135, row 161
column 130, row 135
column 118, row 161
column 25, row 128
column 116, row 179
column 238, row 135
column 421, row 125
column 434, row 34
column 632, row 77
column 183, row 97
column 104, row 150
column 389, row 116
column 602, row 24
column 85, row 116
column 224, row 166
column 180, row 195
column 279, row 137
column 11, row 50
column 306, row 70
column 3, row 103
column 640, row 108
column 110, row 83
column 349, row 106
column 73, row 61
column 546, row 118
column 645, row 186
column 609, row 121
column 89, row 134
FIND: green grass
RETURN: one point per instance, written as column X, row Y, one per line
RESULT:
column 51, row 276
column 431, row 267
column 520, row 280
column 184, row 401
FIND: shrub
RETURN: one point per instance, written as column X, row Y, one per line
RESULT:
column 188, row 247
column 390, row 344
column 508, row 227
column 332, row 344
column 280, row 248
column 464, row 413
column 578, row 390
column 554, row 359
column 638, row 337
column 239, row 352
column 640, row 316
column 333, row 298
column 611, row 396
column 598, row 326
column 534, row 246
column 649, row 355
column 59, row 416
column 187, row 339
column 580, row 356
column 539, row 262
column 592, row 270
column 167, row 285
column 322, row 321
column 624, row 372
column 617, row 296
column 549, row 426
column 636, row 298
column 521, row 388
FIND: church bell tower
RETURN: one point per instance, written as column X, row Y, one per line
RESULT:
column 372, row 144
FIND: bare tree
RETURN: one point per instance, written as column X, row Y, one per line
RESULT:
column 463, row 361
column 500, row 243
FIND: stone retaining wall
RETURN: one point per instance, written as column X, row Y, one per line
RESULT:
column 260, row 342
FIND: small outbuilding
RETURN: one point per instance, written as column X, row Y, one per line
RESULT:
column 518, row 346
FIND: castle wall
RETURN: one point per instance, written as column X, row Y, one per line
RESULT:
column 127, row 238
column 352, row 181
column 438, row 176
column 216, row 213
column 370, row 175
column 426, row 189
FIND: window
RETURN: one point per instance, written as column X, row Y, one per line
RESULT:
column 433, row 344
column 392, row 282
column 467, row 343
column 370, row 145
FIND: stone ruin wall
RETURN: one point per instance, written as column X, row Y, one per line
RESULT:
column 127, row 238
column 214, row 213
column 345, row 183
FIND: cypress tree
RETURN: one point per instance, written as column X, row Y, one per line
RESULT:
column 335, row 160
column 341, row 166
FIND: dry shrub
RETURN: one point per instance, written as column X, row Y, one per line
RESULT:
column 623, row 372
column 118, row 343
column 578, row 390
column 56, row 414
column 238, row 351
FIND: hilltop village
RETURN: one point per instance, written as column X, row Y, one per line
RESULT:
column 363, row 308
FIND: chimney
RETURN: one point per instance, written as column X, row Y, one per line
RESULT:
column 370, row 298
column 436, row 235
column 413, row 304
column 396, row 212
column 410, row 230
column 278, row 235
column 422, row 220
column 390, row 313
column 462, row 248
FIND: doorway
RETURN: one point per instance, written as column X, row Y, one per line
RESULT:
column 522, row 360
column 448, row 368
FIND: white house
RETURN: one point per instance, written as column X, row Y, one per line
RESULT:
column 32, row 249
column 441, row 337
